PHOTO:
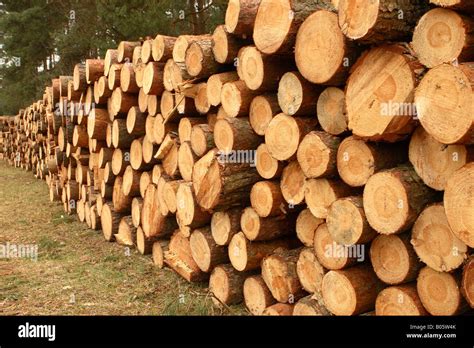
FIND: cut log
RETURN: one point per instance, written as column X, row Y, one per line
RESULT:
column 284, row 134
column 145, row 180
column 293, row 184
column 226, row 46
column 94, row 69
column 153, row 78
column 382, row 20
column 440, row 292
column 206, row 253
column 160, row 247
column 435, row 162
column 296, row 96
column 279, row 273
column 240, row 17
column 110, row 221
column 152, row 221
column 317, row 154
column 393, row 199
column 306, row 226
column 310, row 271
column 434, row 241
column 122, row 102
column 444, row 103
column 202, row 139
column 399, row 300
column 309, row 306
column 347, row 223
column 222, row 185
column 257, row 296
column 188, row 212
column 97, row 124
column 162, row 128
column 352, row 291
column 393, row 259
column 443, row 36
column 121, row 202
column 379, row 93
column 358, row 160
column 318, row 38
column 263, row 72
column 131, row 182
column 128, row 81
column 200, row 61
column 121, row 139
column 183, row 42
column 235, row 135
column 126, row 234
column 225, row 224
column 459, row 204
column 79, row 77
column 256, row 228
column 467, row 285
column 331, row 111
column 278, row 21
column 226, row 284
column 266, row 199
column 321, row 193
column 144, row 245
column 279, row 309
column 186, row 160
column 137, row 205
column 267, row 166
column 215, row 84
column 460, row 5
column 153, row 106
column 330, row 254
column 262, row 110
column 246, row 256
column 201, row 102
column 236, row 98
column 125, row 50
column 162, row 48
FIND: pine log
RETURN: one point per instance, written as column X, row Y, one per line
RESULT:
column 393, row 259
column 317, row 154
column 459, row 205
column 256, row 228
column 137, row 205
column 110, row 220
column 267, row 166
column 460, row 5
column 159, row 249
column 399, row 300
column 306, row 226
column 236, row 98
column 444, row 103
column 220, row 184
column 383, row 20
column 310, row 271
column 125, row 50
column 153, row 78
column 162, row 48
column 318, row 38
column 257, row 296
column 128, row 81
column 94, row 69
column 278, row 21
column 199, row 60
column 121, row 139
column 330, row 254
column 183, row 42
column 352, row 291
column 188, row 212
column 331, row 111
column 206, row 253
column 393, row 199
column 347, row 223
column 186, row 160
column 447, row 301
column 284, row 134
column 246, row 256
column 310, row 306
column 443, row 36
column 262, row 109
column 215, row 84
column 379, row 93
column 279, row 309
column 293, row 184
column 266, row 199
column 226, row 46
column 240, row 17
column 358, row 160
column 279, row 273
column 434, row 241
column 233, row 135
column 126, row 234
column 225, row 224
column 297, row 96
column 97, row 123
column 79, row 77
column 467, row 285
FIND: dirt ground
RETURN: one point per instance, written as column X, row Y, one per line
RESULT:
column 77, row 272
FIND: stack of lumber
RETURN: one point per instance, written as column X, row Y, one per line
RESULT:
column 307, row 158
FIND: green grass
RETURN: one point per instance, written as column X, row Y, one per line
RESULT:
column 77, row 271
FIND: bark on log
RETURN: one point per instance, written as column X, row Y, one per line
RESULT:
column 257, row 296
column 225, row 224
column 399, row 300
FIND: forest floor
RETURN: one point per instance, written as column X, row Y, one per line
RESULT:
column 76, row 272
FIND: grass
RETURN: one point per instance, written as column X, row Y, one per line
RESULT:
column 77, row 272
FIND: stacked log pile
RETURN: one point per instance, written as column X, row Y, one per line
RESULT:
column 307, row 158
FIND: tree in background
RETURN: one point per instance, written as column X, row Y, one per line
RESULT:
column 43, row 39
